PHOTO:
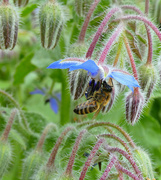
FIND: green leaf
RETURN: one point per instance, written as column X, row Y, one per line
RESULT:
column 23, row 68
column 28, row 9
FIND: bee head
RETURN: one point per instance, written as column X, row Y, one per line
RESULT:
column 107, row 87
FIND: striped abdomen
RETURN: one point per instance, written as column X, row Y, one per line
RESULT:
column 87, row 107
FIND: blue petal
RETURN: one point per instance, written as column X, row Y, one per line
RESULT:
column 37, row 91
column 124, row 79
column 54, row 105
column 89, row 66
column 62, row 64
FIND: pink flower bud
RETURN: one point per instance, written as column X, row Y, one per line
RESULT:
column 134, row 106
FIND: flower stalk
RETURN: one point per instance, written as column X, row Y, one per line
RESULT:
column 128, row 138
column 86, row 22
column 109, row 44
column 128, row 157
column 69, row 168
column 52, row 157
column 91, row 156
column 99, row 31
column 6, row 132
column 108, row 168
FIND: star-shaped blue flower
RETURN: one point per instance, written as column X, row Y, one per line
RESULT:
column 97, row 72
column 54, row 101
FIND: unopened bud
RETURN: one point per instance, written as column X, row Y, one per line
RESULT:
column 82, row 7
column 134, row 106
column 31, row 164
column 20, row 3
column 144, row 163
column 78, row 83
column 147, row 79
column 5, row 157
column 51, row 20
column 8, row 26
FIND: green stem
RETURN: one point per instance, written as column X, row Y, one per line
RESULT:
column 65, row 101
column 51, row 88
column 16, row 106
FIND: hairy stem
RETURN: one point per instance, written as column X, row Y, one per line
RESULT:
column 9, row 125
column 131, row 57
column 99, row 31
column 43, row 136
column 119, row 140
column 143, row 19
column 91, row 156
column 51, row 160
column 65, row 101
column 86, row 22
column 108, row 168
column 127, row 156
column 109, row 44
column 146, row 7
column 17, row 106
column 125, row 171
column 73, row 154
column 150, row 46
column 128, row 138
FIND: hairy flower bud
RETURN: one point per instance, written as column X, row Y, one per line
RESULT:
column 8, row 26
column 20, row 3
column 5, row 157
column 78, row 83
column 31, row 164
column 51, row 20
column 144, row 162
column 134, row 106
column 82, row 6
column 147, row 79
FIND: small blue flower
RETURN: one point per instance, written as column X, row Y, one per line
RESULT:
column 53, row 100
column 97, row 72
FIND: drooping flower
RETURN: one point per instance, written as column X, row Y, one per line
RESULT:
column 95, row 71
column 53, row 99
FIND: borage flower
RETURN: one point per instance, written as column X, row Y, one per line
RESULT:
column 97, row 72
column 53, row 99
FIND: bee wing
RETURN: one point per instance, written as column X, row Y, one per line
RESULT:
column 97, row 112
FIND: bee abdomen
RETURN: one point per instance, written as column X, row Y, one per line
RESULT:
column 86, row 108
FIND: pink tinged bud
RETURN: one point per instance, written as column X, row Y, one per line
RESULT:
column 78, row 83
column 20, row 3
column 9, row 21
column 51, row 20
column 82, row 7
column 148, row 79
column 134, row 106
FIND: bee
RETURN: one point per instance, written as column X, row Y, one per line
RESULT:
column 96, row 101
